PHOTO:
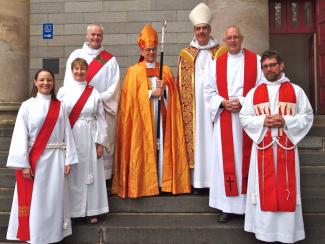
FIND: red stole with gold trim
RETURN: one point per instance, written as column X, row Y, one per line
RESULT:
column 77, row 108
column 25, row 186
column 277, row 184
column 250, row 76
column 97, row 64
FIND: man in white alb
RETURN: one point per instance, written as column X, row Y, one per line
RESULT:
column 276, row 115
column 194, row 61
column 231, row 76
column 104, row 75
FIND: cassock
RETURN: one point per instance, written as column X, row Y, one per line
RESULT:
column 87, row 186
column 49, row 211
column 194, row 62
column 135, row 167
column 107, row 83
column 271, row 226
column 235, row 78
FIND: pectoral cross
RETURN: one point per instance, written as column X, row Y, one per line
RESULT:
column 229, row 181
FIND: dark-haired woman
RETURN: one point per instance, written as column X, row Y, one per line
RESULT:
column 42, row 150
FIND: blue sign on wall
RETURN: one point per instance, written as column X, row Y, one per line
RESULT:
column 47, row 31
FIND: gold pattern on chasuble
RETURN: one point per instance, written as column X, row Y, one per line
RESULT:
column 101, row 60
column 186, row 74
column 186, row 88
column 23, row 211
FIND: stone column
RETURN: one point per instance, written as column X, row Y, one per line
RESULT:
column 251, row 16
column 14, row 57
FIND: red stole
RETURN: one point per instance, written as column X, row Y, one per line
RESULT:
column 277, row 189
column 77, row 108
column 250, row 76
column 97, row 64
column 25, row 186
column 154, row 72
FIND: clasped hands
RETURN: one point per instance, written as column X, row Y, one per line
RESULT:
column 159, row 91
column 232, row 105
column 274, row 121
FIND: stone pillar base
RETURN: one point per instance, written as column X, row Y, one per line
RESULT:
column 8, row 113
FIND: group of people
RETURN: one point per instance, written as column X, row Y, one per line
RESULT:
column 230, row 122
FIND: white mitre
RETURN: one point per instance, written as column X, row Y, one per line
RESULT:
column 201, row 14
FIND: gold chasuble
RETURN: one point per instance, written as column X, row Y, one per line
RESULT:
column 135, row 161
column 186, row 86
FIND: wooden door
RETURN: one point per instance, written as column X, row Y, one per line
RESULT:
column 311, row 71
column 320, row 23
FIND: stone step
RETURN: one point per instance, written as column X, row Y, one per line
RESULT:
column 313, row 176
column 310, row 176
column 318, row 128
column 308, row 143
column 311, row 142
column 5, row 144
column 313, row 201
column 307, row 158
column 7, row 178
column 312, row 157
column 6, row 131
column 3, row 158
column 171, row 228
column 180, row 228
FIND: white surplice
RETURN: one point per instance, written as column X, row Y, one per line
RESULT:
column 107, row 83
column 268, row 226
column 235, row 78
column 87, row 186
column 49, row 213
column 203, row 125
column 154, row 100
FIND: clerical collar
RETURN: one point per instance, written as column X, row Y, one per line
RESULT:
column 281, row 80
column 92, row 51
column 212, row 43
column 75, row 82
column 239, row 54
column 43, row 96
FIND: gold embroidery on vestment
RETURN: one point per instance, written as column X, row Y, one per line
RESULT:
column 186, row 83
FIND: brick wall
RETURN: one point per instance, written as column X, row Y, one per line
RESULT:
column 122, row 21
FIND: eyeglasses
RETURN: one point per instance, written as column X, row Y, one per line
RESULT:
column 230, row 38
column 267, row 66
column 148, row 50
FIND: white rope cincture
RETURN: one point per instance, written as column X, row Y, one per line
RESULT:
column 284, row 147
column 267, row 146
column 60, row 145
column 87, row 119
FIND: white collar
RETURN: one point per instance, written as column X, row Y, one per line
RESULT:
column 92, row 51
column 43, row 96
column 278, row 82
column 151, row 65
column 212, row 43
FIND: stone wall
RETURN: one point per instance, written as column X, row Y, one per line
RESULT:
column 122, row 21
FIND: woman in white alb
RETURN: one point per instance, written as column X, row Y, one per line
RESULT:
column 87, row 187
column 49, row 219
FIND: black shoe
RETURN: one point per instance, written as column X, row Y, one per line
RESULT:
column 200, row 191
column 223, row 217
